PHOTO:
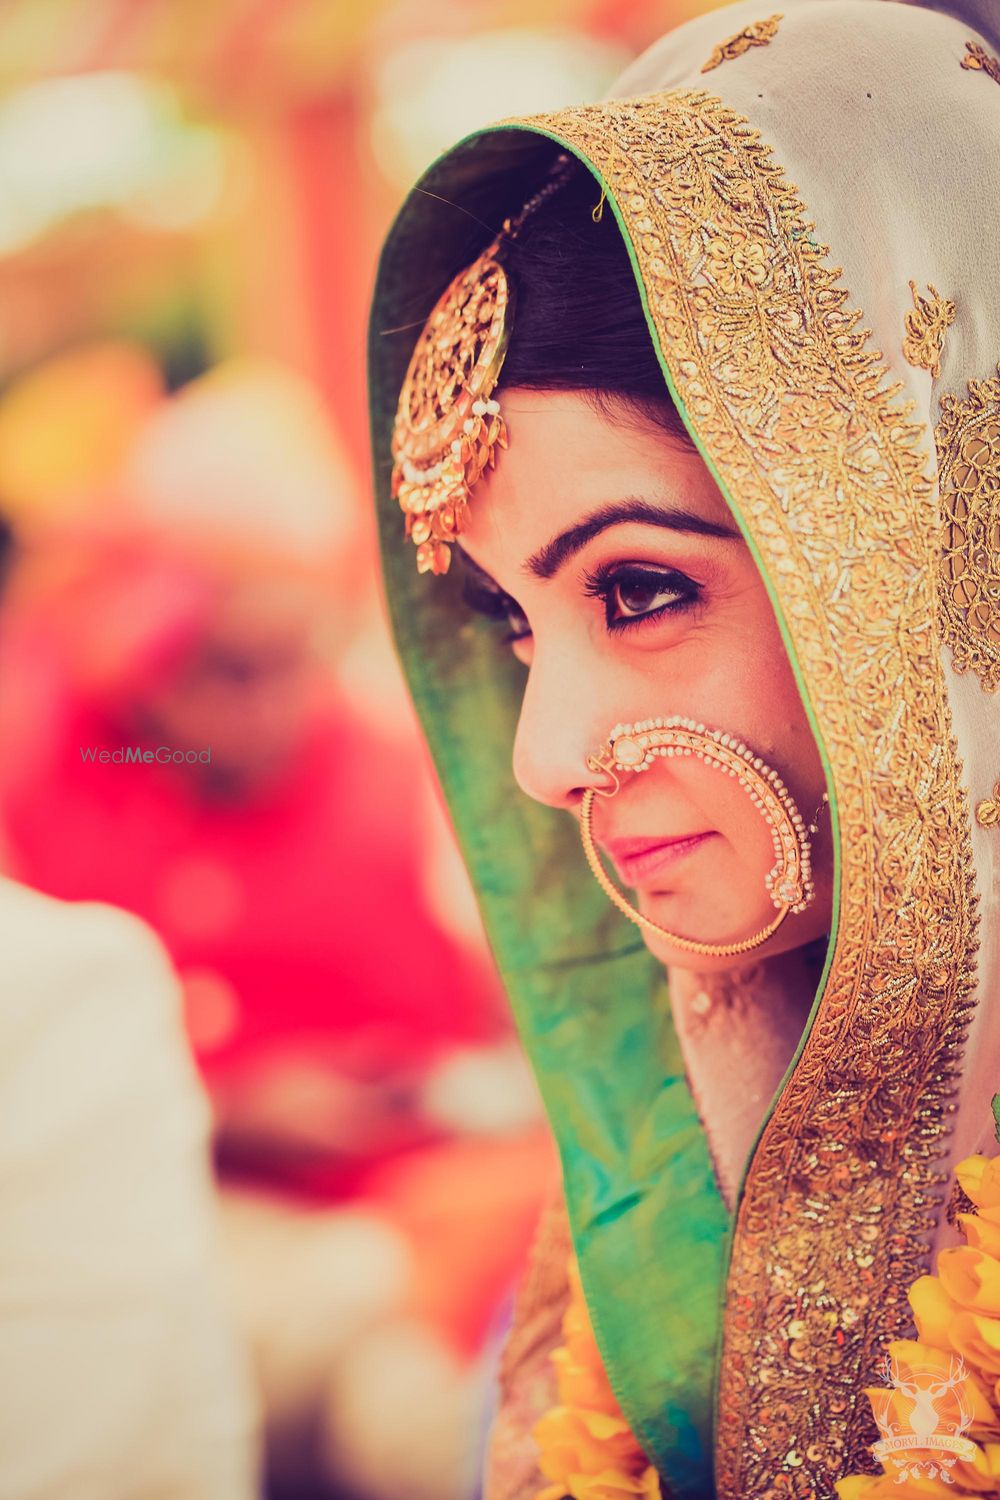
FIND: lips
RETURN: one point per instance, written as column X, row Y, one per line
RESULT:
column 637, row 860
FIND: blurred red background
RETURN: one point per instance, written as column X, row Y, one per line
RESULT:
column 193, row 198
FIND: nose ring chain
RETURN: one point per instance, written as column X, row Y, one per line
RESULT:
column 635, row 748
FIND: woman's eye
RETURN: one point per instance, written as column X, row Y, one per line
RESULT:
column 518, row 622
column 633, row 595
column 496, row 605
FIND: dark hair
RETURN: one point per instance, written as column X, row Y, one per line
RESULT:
column 579, row 324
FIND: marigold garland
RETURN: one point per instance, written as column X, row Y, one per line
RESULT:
column 957, row 1312
column 588, row 1451
column 587, row 1447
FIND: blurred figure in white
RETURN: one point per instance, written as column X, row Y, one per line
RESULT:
column 119, row 1376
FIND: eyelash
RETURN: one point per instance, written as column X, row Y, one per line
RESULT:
column 603, row 582
column 600, row 584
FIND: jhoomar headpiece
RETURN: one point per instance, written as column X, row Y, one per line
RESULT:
column 448, row 426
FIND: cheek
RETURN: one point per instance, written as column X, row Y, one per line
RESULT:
column 772, row 705
column 750, row 690
column 755, row 689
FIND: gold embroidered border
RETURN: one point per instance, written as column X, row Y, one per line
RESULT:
column 968, row 444
column 772, row 369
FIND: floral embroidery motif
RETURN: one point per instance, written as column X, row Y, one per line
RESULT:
column 977, row 57
column 925, row 328
column 820, row 461
column 988, row 811
column 968, row 444
column 757, row 34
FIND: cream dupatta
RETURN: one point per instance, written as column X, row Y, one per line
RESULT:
column 807, row 201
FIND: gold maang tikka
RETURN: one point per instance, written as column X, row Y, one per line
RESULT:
column 448, row 426
column 635, row 747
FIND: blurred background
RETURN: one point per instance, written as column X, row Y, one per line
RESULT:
column 192, row 198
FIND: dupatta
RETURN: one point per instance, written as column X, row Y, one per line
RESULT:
column 805, row 198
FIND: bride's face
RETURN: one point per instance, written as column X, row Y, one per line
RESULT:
column 629, row 593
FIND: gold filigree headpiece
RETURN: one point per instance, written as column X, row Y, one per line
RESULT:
column 448, row 426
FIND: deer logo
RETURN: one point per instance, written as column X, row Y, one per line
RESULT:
column 926, row 1441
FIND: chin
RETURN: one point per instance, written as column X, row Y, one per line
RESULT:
column 801, row 932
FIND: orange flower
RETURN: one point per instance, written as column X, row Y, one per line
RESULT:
column 943, row 1324
column 972, row 1279
column 575, row 1441
column 979, row 1179
column 587, row 1448
column 957, row 1311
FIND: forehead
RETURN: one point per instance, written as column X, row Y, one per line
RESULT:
column 564, row 459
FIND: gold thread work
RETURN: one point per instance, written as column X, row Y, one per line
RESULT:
column 820, row 458
column 968, row 443
column 925, row 324
column 979, row 60
column 988, row 811
column 757, row 34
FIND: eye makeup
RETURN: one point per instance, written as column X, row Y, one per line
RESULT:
column 629, row 591
column 481, row 594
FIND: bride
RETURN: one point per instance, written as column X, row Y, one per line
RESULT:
column 687, row 440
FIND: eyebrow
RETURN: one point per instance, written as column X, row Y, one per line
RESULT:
column 547, row 561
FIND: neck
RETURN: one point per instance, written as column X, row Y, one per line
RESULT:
column 738, row 1029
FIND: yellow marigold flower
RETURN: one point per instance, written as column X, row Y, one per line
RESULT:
column 957, row 1311
column 977, row 1340
column 971, row 1278
column 980, row 1232
column 586, row 1446
column 883, row 1487
column 575, row 1441
column 979, row 1179
column 972, row 1401
column 580, row 1384
column 933, row 1310
column 614, row 1485
column 943, row 1324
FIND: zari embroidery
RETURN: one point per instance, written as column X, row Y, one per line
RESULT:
column 757, row 34
column 819, row 457
column 968, row 444
column 988, row 811
column 977, row 57
column 925, row 329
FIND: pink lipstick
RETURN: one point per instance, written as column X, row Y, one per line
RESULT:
column 637, row 860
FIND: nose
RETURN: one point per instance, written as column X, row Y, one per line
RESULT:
column 556, row 733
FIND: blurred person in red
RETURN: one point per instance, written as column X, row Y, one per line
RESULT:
column 176, row 740
column 120, row 1376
